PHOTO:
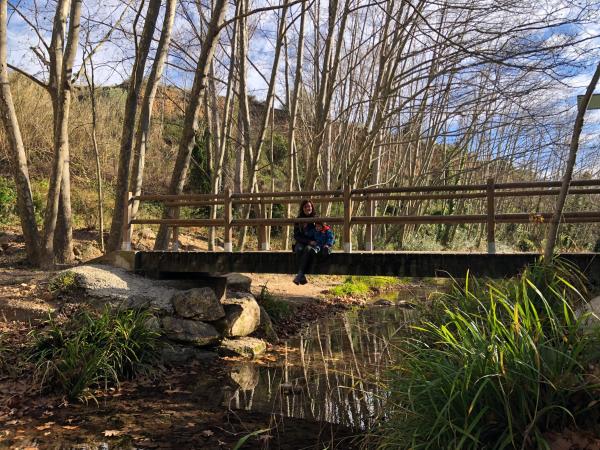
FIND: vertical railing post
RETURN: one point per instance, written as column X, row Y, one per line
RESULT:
column 127, row 231
column 346, row 235
column 262, row 228
column 491, row 218
column 369, row 227
column 227, row 214
column 175, row 235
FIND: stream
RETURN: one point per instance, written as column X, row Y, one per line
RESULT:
column 332, row 372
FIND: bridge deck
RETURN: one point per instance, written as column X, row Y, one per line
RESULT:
column 410, row 264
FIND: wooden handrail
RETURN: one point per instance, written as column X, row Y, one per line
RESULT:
column 370, row 196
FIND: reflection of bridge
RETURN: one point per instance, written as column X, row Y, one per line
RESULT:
column 368, row 262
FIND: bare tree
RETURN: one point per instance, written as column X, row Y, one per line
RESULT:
column 127, row 135
column 17, row 150
column 568, row 175
column 190, row 125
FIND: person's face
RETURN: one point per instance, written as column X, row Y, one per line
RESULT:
column 318, row 226
column 307, row 208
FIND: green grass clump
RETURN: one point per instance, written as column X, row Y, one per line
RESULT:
column 362, row 285
column 506, row 362
column 276, row 309
column 94, row 350
column 63, row 282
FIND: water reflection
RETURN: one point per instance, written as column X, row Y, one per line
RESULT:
column 332, row 372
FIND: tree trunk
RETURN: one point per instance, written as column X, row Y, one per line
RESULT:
column 60, row 89
column 131, row 105
column 143, row 130
column 190, row 124
column 568, row 175
column 17, row 150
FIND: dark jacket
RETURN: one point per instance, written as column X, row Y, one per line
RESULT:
column 302, row 234
column 324, row 237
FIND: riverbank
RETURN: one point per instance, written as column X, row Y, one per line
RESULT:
column 187, row 406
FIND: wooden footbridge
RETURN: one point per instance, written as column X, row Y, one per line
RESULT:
column 345, row 203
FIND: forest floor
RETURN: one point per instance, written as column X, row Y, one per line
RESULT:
column 173, row 409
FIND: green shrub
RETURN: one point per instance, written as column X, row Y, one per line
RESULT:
column 508, row 362
column 8, row 199
column 94, row 350
column 63, row 282
column 362, row 285
column 276, row 309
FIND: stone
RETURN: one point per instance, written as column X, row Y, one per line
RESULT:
column 383, row 302
column 248, row 347
column 242, row 315
column 592, row 308
column 405, row 304
column 266, row 326
column 245, row 376
column 199, row 304
column 190, row 331
column 238, row 282
column 179, row 354
column 101, row 285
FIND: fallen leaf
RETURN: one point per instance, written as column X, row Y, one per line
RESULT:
column 176, row 391
column 70, row 427
column 45, row 426
column 207, row 433
column 109, row 433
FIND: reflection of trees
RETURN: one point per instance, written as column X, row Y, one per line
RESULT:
column 332, row 373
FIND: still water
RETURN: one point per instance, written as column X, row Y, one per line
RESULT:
column 334, row 371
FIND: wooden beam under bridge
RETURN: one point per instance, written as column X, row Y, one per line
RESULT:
column 402, row 264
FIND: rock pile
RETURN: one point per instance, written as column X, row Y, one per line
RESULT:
column 188, row 314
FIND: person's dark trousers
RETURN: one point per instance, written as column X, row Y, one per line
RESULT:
column 304, row 254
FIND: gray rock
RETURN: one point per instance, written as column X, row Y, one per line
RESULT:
column 104, row 285
column 200, row 304
column 245, row 376
column 190, row 331
column 405, row 304
column 383, row 302
column 592, row 309
column 179, row 354
column 242, row 315
column 238, row 282
column 266, row 326
column 245, row 346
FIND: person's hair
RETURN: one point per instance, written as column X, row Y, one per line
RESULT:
column 301, row 210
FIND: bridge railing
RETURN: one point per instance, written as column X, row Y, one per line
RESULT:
column 370, row 196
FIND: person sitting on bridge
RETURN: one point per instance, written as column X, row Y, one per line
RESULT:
column 324, row 238
column 303, row 240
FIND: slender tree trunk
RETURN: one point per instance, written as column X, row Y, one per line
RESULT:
column 568, row 175
column 17, row 150
column 60, row 87
column 92, row 89
column 127, row 134
column 190, row 124
column 143, row 130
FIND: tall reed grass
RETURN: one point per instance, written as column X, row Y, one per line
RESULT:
column 94, row 350
column 503, row 363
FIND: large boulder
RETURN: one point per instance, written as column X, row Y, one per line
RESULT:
column 198, row 304
column 247, row 347
column 190, row 331
column 592, row 309
column 115, row 287
column 266, row 326
column 242, row 315
column 238, row 282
